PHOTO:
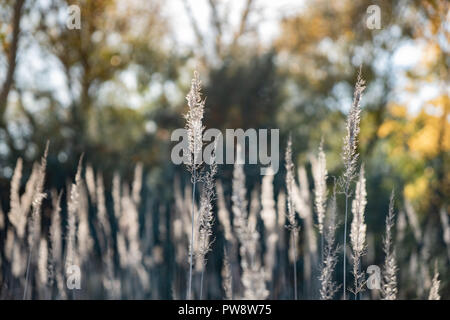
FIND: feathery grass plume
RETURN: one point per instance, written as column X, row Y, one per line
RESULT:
column 42, row 262
column 26, row 200
column 350, row 160
column 253, row 276
column 136, row 186
column 20, row 205
column 293, row 226
column 35, row 222
column 239, row 199
column 349, row 151
column 434, row 291
column 194, row 125
column 73, row 204
column 195, row 129
column 206, row 217
column 446, row 228
column 84, row 239
column 227, row 278
column 389, row 279
column 358, row 232
column 55, row 248
column 18, row 255
column 319, row 169
column 254, row 281
column 328, row 286
column 16, row 216
column 269, row 217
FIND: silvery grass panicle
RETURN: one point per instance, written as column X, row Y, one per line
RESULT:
column 328, row 286
column 194, row 127
column 16, row 215
column 434, row 291
column 55, row 252
column 253, row 275
column 73, row 205
column 350, row 159
column 206, row 217
column 293, row 226
column 269, row 217
column 239, row 199
column 35, row 222
column 349, row 151
column 358, row 232
column 319, row 168
column 389, row 280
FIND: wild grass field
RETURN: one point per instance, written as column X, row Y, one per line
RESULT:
column 283, row 247
column 93, row 205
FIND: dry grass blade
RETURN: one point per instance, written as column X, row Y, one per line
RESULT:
column 350, row 159
column 293, row 226
column 434, row 291
column 358, row 232
column 328, row 286
column 389, row 286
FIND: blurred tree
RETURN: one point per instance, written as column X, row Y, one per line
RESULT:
column 111, row 68
column 9, row 41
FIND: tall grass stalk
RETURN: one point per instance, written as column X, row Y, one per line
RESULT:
column 290, row 208
column 319, row 169
column 206, row 218
column 34, row 231
column 434, row 291
column 358, row 232
column 328, row 286
column 350, row 159
column 195, row 129
column 389, row 280
column 253, row 276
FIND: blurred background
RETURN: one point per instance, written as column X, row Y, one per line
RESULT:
column 115, row 89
